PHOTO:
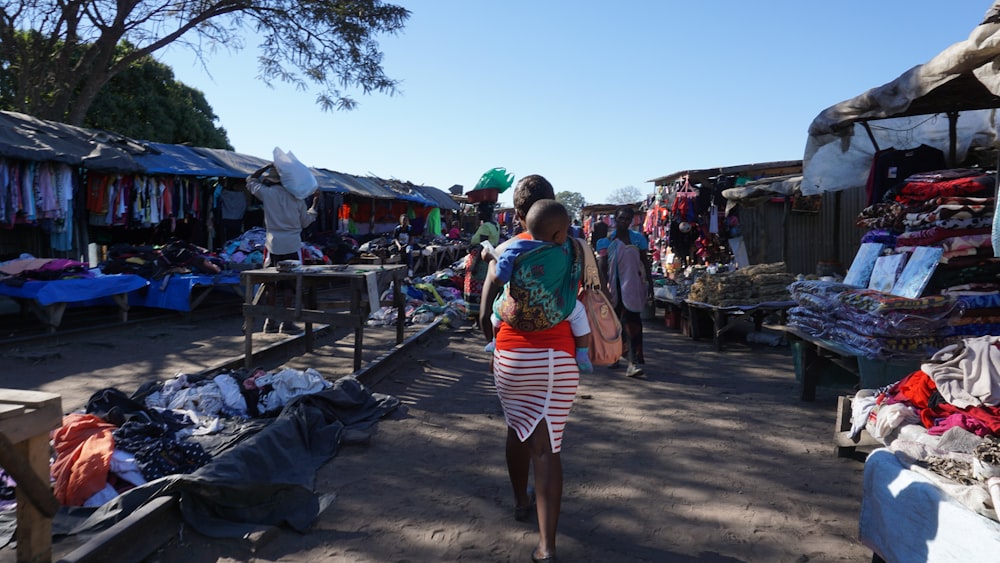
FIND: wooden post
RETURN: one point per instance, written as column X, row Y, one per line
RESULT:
column 26, row 417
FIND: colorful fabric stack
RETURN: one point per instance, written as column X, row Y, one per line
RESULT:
column 980, row 311
column 952, row 210
column 872, row 324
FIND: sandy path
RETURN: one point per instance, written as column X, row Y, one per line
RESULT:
column 710, row 457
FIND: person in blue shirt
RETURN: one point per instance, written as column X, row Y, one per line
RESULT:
column 575, row 230
column 624, row 257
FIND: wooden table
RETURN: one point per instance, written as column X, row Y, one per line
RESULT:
column 48, row 299
column 360, row 278
column 26, row 418
column 721, row 317
column 817, row 353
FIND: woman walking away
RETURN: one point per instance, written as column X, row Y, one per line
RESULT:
column 476, row 267
column 628, row 283
column 536, row 378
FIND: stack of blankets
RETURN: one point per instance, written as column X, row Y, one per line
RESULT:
column 870, row 323
column 953, row 210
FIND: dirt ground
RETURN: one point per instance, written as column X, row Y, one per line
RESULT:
column 711, row 457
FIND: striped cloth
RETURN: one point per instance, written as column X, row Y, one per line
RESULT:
column 536, row 384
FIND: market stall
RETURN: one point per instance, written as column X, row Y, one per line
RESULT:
column 46, row 286
column 946, row 106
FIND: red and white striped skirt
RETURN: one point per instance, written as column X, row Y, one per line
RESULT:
column 535, row 385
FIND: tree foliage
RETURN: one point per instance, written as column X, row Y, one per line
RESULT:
column 626, row 195
column 146, row 102
column 61, row 53
column 574, row 201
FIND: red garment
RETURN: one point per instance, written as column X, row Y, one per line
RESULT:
column 83, row 446
column 921, row 191
column 915, row 389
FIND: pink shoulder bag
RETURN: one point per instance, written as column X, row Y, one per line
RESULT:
column 605, row 328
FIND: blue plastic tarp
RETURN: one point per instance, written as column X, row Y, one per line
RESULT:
column 182, row 160
column 74, row 290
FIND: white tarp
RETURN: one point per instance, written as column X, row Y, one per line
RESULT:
column 838, row 152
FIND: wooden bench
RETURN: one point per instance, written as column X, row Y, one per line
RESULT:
column 26, row 418
column 844, row 444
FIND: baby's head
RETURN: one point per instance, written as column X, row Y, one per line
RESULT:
column 548, row 220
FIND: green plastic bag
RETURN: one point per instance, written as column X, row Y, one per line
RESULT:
column 495, row 179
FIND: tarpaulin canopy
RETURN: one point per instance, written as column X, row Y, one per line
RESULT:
column 236, row 165
column 438, row 197
column 28, row 138
column 161, row 158
column 962, row 81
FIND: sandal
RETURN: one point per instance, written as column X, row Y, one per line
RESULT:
column 522, row 513
column 547, row 559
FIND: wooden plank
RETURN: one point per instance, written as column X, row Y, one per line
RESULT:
column 10, row 411
column 845, row 445
column 33, row 484
column 34, row 529
column 32, row 423
column 31, row 399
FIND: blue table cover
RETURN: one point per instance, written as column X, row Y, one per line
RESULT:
column 74, row 290
column 176, row 294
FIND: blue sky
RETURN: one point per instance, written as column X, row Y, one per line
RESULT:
column 596, row 96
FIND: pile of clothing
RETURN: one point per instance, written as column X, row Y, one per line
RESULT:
column 952, row 400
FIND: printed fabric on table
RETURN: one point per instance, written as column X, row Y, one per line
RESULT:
column 878, row 302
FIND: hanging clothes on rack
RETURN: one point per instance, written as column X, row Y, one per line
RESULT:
column 683, row 220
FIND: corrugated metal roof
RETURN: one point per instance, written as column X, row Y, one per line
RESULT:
column 778, row 167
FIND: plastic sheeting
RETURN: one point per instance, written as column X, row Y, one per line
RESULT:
column 28, row 138
column 74, row 290
column 905, row 516
column 266, row 479
column 963, row 78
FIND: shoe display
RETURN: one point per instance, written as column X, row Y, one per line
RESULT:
column 270, row 326
column 290, row 328
column 633, row 371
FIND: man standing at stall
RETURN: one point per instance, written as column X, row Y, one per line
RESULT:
column 285, row 215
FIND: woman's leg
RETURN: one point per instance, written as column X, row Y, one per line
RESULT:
column 632, row 340
column 518, row 463
column 548, row 488
column 632, row 325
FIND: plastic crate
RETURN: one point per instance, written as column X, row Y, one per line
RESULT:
column 876, row 373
